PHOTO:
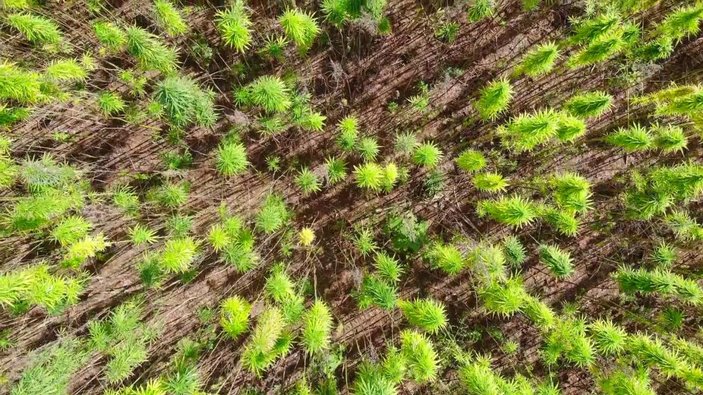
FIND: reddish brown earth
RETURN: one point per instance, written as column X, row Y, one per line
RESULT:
column 357, row 74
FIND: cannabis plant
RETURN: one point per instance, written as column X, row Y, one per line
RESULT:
column 231, row 158
column 388, row 267
column 110, row 104
column 568, row 340
column 490, row 182
column 514, row 211
column 234, row 316
column 336, row 170
column 608, row 338
column 185, row 103
column 369, row 176
column 471, row 160
column 150, row 52
column 300, row 27
column 268, row 342
column 588, row 104
column 273, row 214
column 494, row 99
column 539, row 61
column 317, row 326
column 375, row 291
column 527, row 131
column 36, row 29
column 235, row 26
column 421, row 359
column 307, row 181
column 426, row 314
column 514, row 251
column 632, row 139
column 169, row 18
column 111, row 36
column 268, row 92
column 481, row 9
column 503, row 298
column 659, row 282
column 446, row 257
column 18, row 85
column 427, row 155
column 348, row 133
column 178, row 254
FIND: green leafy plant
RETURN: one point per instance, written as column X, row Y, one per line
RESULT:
column 51, row 368
column 514, row 251
column 633, row 281
column 267, row 343
column 178, row 254
column 300, row 27
column 494, row 99
column 184, row 102
column 273, row 214
column 110, row 104
column 36, row 29
column 427, row 155
column 307, row 181
column 539, row 61
column 317, row 326
column 446, row 257
column 19, row 85
column 111, row 36
column 632, row 139
column 514, row 211
column 527, row 131
column 150, row 52
column 231, row 158
column 268, row 92
column 490, row 182
column 336, row 170
column 348, row 133
column 234, row 316
column 388, row 267
column 169, row 18
column 608, row 338
column 418, row 351
column 426, row 314
column 471, row 160
column 368, row 148
column 235, row 26
column 670, row 139
column 376, row 291
column 369, row 176
column 588, row 104
column 480, row 10
column 557, row 260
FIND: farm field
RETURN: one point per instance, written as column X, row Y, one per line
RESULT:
column 367, row 197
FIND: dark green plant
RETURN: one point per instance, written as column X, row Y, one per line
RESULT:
column 336, row 170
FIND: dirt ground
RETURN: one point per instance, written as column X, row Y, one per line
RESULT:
column 358, row 73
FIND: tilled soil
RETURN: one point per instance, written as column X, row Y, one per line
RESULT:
column 357, row 73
